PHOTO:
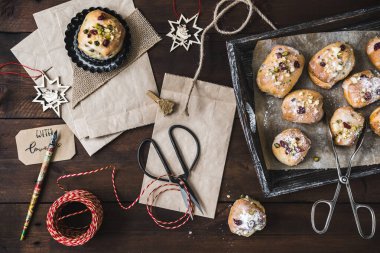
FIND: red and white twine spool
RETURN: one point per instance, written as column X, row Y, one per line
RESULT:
column 69, row 236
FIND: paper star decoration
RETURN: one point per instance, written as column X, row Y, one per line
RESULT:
column 49, row 96
column 181, row 35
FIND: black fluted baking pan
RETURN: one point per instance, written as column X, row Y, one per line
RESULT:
column 81, row 59
column 239, row 51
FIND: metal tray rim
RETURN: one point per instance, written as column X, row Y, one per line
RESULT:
column 235, row 48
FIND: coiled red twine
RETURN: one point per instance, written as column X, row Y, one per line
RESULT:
column 71, row 236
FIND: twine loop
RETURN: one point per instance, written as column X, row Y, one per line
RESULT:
column 218, row 13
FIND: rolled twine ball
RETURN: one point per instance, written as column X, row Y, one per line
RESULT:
column 65, row 234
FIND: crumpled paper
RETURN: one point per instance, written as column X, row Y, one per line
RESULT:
column 119, row 105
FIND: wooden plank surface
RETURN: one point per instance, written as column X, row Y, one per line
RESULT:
column 288, row 229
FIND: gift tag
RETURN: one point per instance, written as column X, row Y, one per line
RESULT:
column 32, row 144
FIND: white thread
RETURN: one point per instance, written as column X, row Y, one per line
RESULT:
column 214, row 23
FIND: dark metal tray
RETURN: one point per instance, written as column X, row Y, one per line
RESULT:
column 239, row 51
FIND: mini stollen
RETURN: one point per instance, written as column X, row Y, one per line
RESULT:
column 143, row 37
column 269, row 112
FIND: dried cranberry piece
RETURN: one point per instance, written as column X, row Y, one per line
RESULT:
column 102, row 17
column 298, row 149
column 297, row 65
column 89, row 35
column 342, row 47
column 94, row 32
column 367, row 96
column 278, row 55
column 322, row 63
column 301, row 110
column 282, row 66
column 106, row 42
column 237, row 222
column 288, row 150
column 378, row 91
column 363, row 76
column 293, row 99
column 346, row 125
column 376, row 46
column 283, row 144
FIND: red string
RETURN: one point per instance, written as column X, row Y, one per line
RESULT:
column 174, row 7
column 18, row 73
column 78, row 236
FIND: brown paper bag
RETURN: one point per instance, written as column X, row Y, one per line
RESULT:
column 212, row 110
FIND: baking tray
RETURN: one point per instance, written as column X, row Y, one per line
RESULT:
column 273, row 182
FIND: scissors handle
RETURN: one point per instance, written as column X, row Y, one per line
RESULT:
column 355, row 207
column 162, row 158
column 331, row 204
column 185, row 168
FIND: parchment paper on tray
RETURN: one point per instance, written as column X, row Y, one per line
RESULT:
column 268, row 108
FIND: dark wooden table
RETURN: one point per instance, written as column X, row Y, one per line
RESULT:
column 288, row 228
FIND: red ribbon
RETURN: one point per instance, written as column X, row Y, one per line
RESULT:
column 174, row 7
column 18, row 73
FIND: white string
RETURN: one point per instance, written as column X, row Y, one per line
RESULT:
column 214, row 23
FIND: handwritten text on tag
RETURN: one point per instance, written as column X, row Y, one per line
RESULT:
column 32, row 144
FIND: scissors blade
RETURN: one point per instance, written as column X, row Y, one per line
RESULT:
column 192, row 196
column 184, row 197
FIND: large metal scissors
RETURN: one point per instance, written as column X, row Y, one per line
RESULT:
column 180, row 180
column 345, row 180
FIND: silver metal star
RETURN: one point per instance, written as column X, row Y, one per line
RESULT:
column 181, row 35
column 51, row 94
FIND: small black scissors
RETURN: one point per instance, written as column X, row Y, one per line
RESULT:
column 171, row 177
